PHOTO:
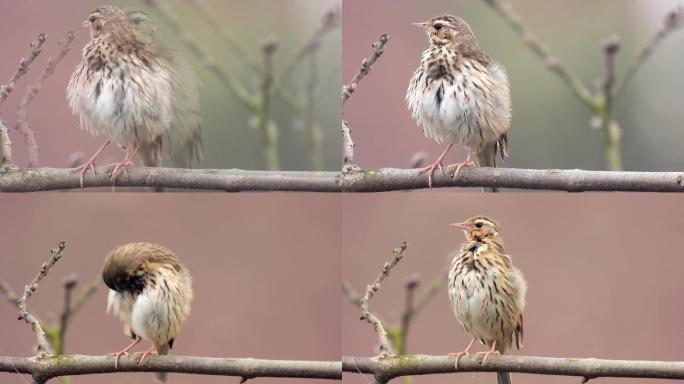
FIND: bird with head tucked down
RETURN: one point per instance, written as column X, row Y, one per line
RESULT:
column 150, row 291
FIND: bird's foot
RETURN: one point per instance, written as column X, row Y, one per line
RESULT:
column 116, row 355
column 485, row 355
column 457, row 356
column 460, row 166
column 90, row 164
column 120, row 167
column 82, row 169
column 431, row 170
column 151, row 351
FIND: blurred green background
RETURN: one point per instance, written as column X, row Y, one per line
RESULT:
column 551, row 127
column 231, row 139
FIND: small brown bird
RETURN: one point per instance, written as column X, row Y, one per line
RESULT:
column 459, row 95
column 183, row 143
column 123, row 90
column 150, row 291
column 487, row 292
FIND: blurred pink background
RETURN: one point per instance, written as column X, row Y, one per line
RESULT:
column 604, row 274
column 265, row 268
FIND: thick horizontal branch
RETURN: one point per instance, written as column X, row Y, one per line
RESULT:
column 389, row 368
column 369, row 180
column 47, row 368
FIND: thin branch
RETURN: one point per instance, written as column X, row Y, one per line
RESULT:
column 22, row 124
column 348, row 163
column 672, row 22
column 267, row 128
column 24, row 65
column 347, row 289
column 378, row 48
column 611, row 129
column 25, row 314
column 6, row 163
column 385, row 344
column 11, row 296
column 329, row 22
column 50, row 367
column 191, row 44
column 365, row 181
column 542, row 52
column 218, row 24
column 392, row 367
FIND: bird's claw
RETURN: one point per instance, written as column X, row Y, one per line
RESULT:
column 144, row 355
column 457, row 356
column 82, row 169
column 460, row 166
column 431, row 170
column 117, row 355
column 486, row 355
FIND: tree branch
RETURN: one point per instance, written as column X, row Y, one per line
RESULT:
column 22, row 124
column 392, row 367
column 6, row 163
column 24, row 314
column 673, row 21
column 348, row 163
column 385, row 344
column 367, row 181
column 378, row 48
column 24, row 65
column 50, row 367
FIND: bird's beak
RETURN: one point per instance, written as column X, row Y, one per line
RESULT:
column 85, row 24
column 420, row 25
column 459, row 226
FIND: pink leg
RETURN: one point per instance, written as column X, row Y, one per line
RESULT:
column 464, row 353
column 459, row 166
column 90, row 164
column 492, row 351
column 120, row 166
column 151, row 351
column 437, row 164
column 124, row 351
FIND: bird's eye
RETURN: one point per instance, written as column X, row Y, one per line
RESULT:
column 137, row 21
column 473, row 248
column 438, row 27
column 479, row 225
column 92, row 18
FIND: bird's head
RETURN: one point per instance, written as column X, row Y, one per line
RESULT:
column 448, row 30
column 144, row 25
column 480, row 228
column 106, row 19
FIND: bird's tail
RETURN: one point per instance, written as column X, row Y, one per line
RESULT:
column 487, row 156
column 162, row 350
column 503, row 378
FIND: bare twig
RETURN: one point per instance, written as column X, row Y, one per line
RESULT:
column 11, row 296
column 5, row 149
column 266, row 127
column 378, row 48
column 348, row 145
column 385, row 344
column 393, row 367
column 50, row 367
column 24, row 65
column 672, row 22
column 24, row 314
column 329, row 22
column 218, row 24
column 611, row 47
column 200, row 53
column 366, row 181
column 22, row 124
column 348, row 291
column 542, row 52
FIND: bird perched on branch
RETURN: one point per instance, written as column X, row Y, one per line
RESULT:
column 183, row 143
column 150, row 291
column 125, row 91
column 487, row 292
column 460, row 96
